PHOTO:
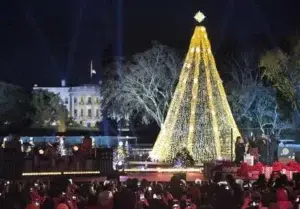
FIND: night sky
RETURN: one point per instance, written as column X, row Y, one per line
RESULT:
column 45, row 41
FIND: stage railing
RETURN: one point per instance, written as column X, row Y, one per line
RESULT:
column 13, row 163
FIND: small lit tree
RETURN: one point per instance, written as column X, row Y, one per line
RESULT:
column 145, row 85
column 253, row 103
column 61, row 146
column 120, row 155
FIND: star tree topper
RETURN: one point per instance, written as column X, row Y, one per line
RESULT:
column 199, row 17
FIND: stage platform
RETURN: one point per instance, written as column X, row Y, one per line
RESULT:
column 157, row 174
column 162, row 177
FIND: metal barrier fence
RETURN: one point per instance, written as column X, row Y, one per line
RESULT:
column 100, row 141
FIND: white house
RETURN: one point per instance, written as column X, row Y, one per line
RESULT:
column 82, row 102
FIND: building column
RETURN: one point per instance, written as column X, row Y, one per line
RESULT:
column 71, row 105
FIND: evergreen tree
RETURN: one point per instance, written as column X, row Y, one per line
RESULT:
column 120, row 155
column 199, row 116
column 61, row 147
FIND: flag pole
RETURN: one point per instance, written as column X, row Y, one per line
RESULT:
column 91, row 71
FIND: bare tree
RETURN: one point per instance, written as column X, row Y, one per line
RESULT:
column 145, row 85
column 244, row 85
column 266, row 113
column 251, row 101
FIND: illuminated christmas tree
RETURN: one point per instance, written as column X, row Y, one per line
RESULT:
column 120, row 155
column 199, row 116
column 61, row 147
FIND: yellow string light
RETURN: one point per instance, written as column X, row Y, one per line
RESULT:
column 42, row 174
column 211, row 103
column 225, row 141
column 192, row 118
column 163, row 146
column 199, row 116
column 60, row 173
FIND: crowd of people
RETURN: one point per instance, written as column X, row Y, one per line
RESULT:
column 263, row 148
column 222, row 192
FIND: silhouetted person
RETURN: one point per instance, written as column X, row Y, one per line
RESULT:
column 14, row 144
column 50, row 151
column 240, row 149
column 86, row 145
column 253, row 148
column 264, row 149
column 274, row 148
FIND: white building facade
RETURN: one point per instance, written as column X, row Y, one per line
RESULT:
column 82, row 102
